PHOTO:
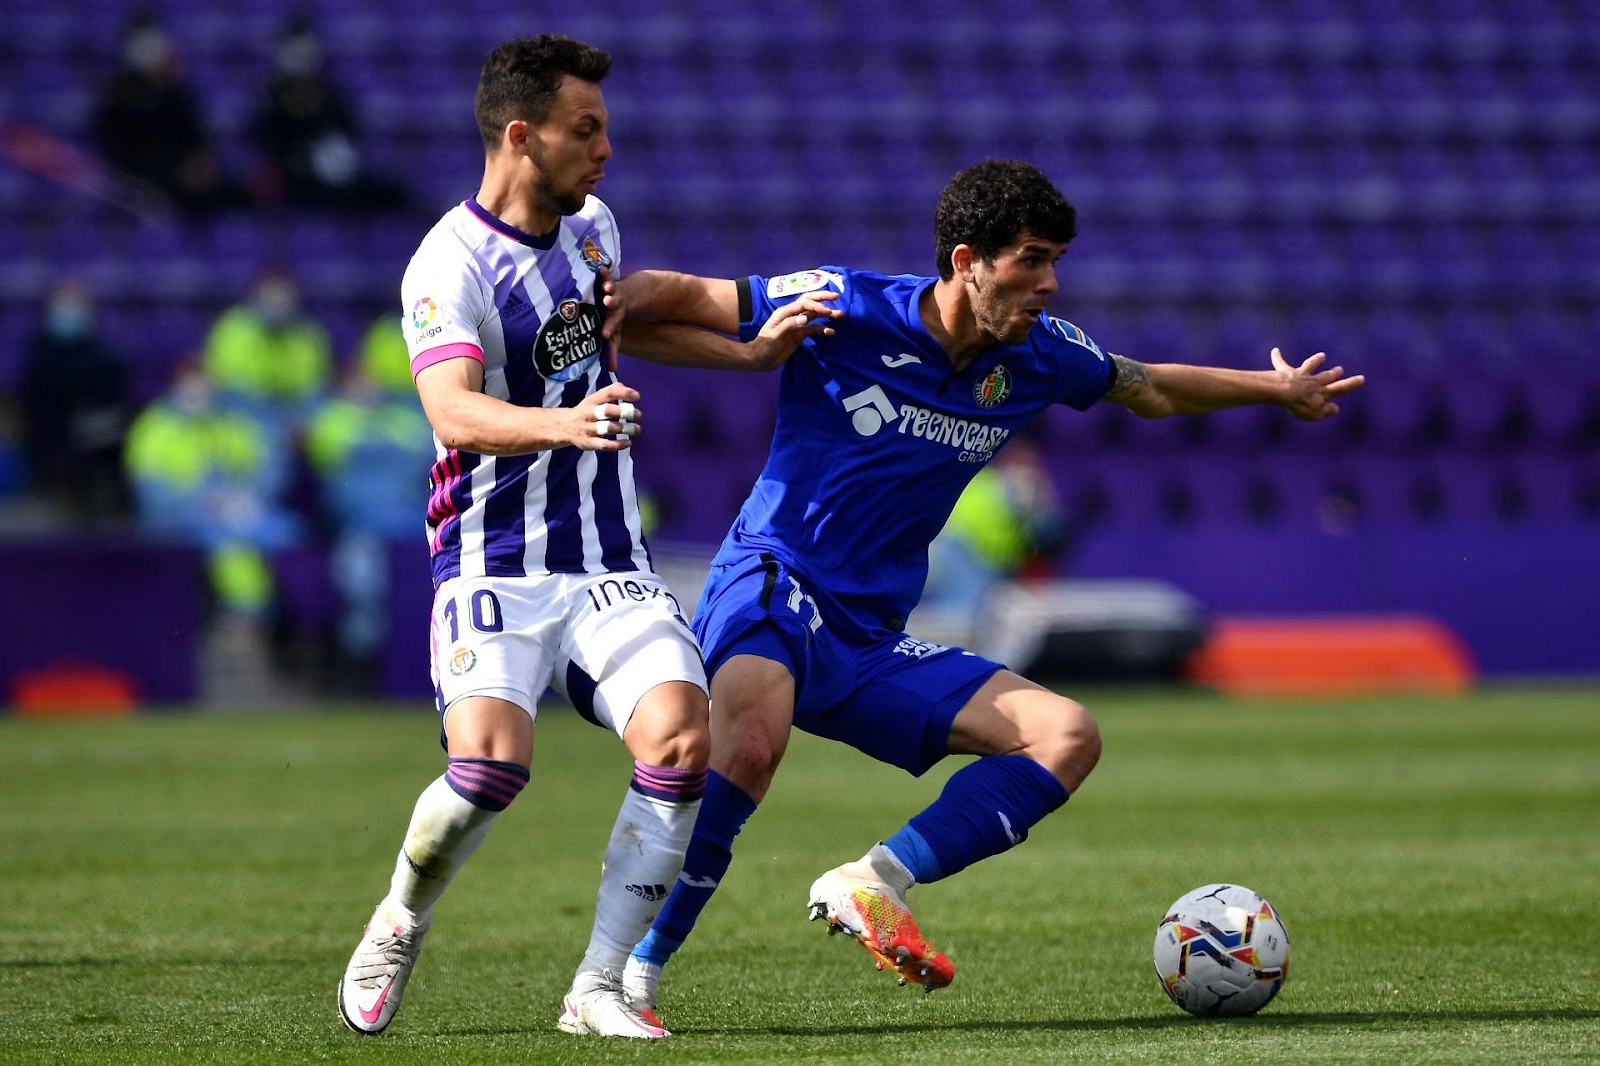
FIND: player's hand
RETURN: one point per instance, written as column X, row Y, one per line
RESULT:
column 1311, row 392
column 790, row 325
column 616, row 309
column 605, row 421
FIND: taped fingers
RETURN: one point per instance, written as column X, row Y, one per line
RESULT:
column 624, row 423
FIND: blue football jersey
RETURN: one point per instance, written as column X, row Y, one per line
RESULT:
column 877, row 436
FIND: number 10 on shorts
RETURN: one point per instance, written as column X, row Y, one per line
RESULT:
column 483, row 611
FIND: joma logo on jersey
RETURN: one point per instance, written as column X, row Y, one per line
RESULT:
column 870, row 409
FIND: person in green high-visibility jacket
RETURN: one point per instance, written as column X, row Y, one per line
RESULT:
column 267, row 356
column 1007, row 520
column 371, row 448
column 209, row 476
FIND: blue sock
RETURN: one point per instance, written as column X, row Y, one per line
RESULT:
column 723, row 812
column 986, row 807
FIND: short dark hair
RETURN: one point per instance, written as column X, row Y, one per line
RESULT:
column 989, row 205
column 520, row 79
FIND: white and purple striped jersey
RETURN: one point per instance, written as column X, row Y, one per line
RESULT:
column 525, row 307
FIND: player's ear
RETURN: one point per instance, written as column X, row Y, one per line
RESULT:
column 515, row 136
column 961, row 261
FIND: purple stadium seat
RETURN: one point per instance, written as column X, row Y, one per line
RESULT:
column 1401, row 414
column 1562, row 409
column 1478, row 407
column 1216, row 491
column 1136, row 490
column 1552, row 489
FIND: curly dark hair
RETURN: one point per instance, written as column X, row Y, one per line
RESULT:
column 520, row 79
column 989, row 205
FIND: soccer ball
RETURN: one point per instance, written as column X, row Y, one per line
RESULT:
column 1222, row 950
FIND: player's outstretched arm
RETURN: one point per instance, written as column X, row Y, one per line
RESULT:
column 463, row 417
column 1156, row 390
column 668, row 296
column 675, row 344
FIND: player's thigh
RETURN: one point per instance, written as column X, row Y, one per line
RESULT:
column 495, row 642
column 902, row 708
column 1012, row 715
column 627, row 651
column 483, row 727
column 669, row 726
column 752, row 710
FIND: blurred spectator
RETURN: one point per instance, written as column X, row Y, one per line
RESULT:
column 1008, row 524
column 307, row 131
column 74, row 408
column 148, row 125
column 371, row 447
column 268, row 357
column 209, row 476
column 384, row 358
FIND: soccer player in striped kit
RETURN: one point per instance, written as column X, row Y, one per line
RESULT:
column 540, row 569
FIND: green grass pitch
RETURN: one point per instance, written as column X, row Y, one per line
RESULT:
column 187, row 889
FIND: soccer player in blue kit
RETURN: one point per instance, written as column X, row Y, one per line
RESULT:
column 881, row 424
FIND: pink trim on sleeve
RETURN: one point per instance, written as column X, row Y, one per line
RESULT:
column 459, row 350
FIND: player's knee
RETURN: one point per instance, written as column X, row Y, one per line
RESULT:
column 747, row 756
column 1067, row 742
column 669, row 734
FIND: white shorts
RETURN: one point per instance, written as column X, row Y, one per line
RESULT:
column 603, row 640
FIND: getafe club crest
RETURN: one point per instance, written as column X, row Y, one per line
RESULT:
column 992, row 390
column 462, row 659
column 592, row 254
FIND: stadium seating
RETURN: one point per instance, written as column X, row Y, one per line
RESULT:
column 1412, row 186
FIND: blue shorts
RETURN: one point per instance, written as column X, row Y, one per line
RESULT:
column 890, row 696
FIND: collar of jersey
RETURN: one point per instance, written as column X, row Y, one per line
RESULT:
column 912, row 316
column 520, row 236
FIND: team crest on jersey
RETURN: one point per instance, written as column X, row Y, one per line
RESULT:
column 597, row 259
column 993, row 390
column 423, row 312
column 462, row 659
column 802, row 282
column 569, row 341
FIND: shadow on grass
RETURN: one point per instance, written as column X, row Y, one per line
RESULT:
column 1274, row 1021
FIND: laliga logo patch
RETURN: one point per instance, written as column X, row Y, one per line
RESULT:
column 993, row 390
column 462, row 660
column 592, row 254
column 423, row 311
column 802, row 282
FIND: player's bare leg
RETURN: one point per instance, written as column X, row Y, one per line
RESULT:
column 1039, row 747
column 490, row 742
column 752, row 707
column 667, row 735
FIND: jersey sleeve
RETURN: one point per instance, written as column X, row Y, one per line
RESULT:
column 443, row 309
column 1086, row 373
column 760, row 296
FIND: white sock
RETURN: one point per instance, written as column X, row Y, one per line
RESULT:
column 642, row 863
column 445, row 830
column 889, row 868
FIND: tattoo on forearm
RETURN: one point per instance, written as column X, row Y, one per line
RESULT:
column 1132, row 378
